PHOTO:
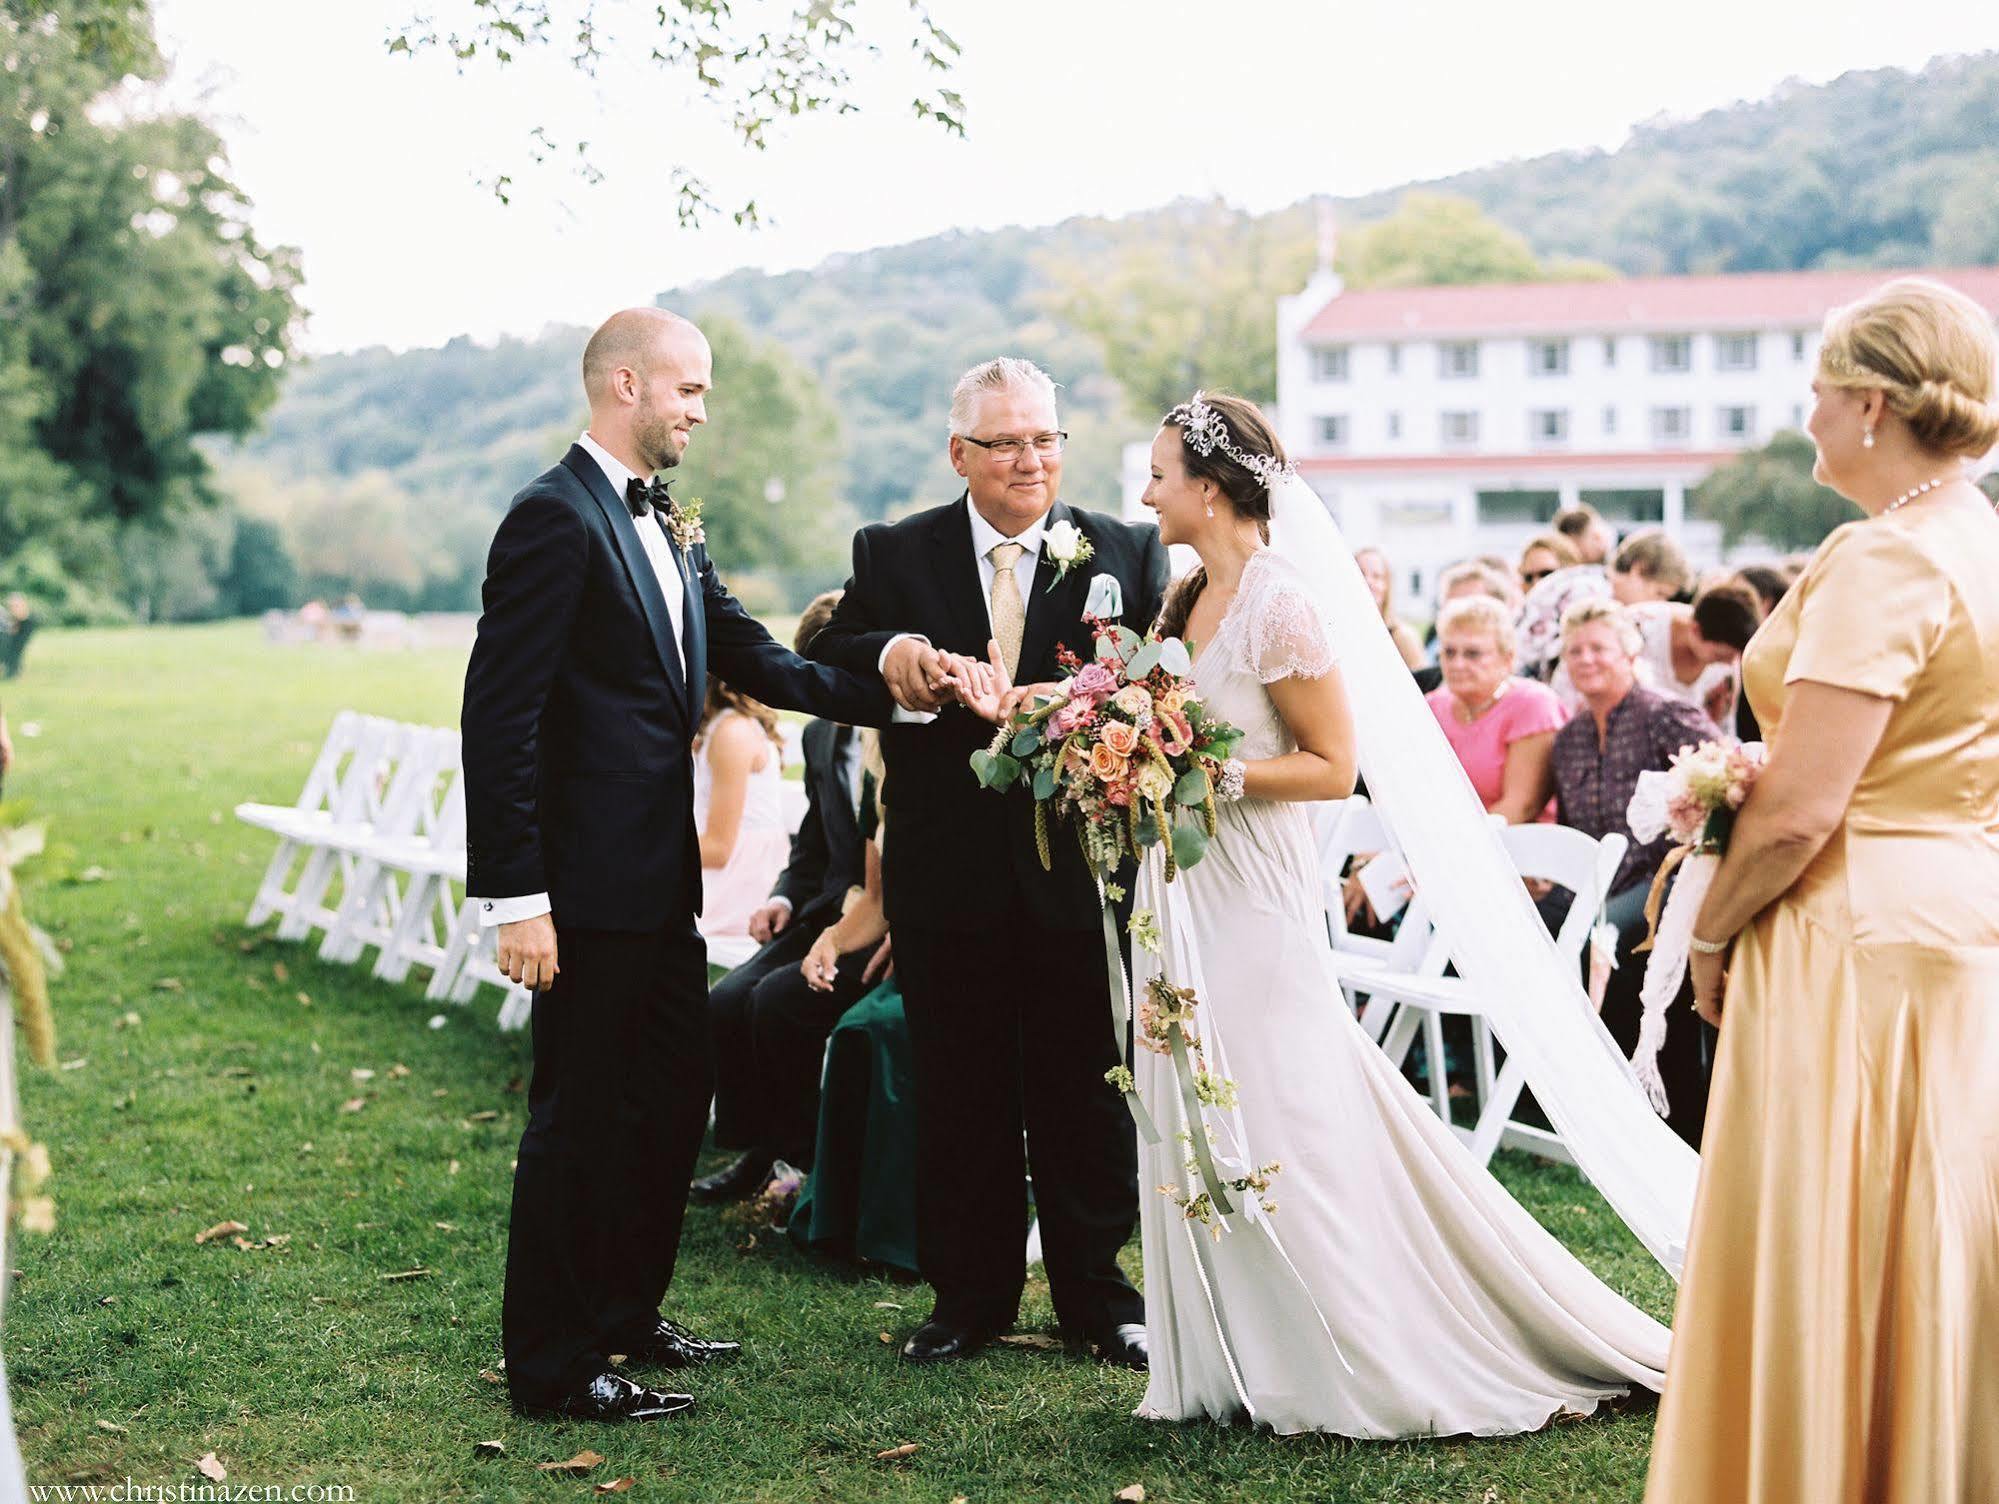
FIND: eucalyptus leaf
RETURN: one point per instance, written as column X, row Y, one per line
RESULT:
column 1044, row 782
column 1146, row 660
column 1173, row 657
column 982, row 762
column 1127, row 641
column 1148, row 835
column 1026, row 740
column 1190, row 843
column 1192, row 787
column 1004, row 771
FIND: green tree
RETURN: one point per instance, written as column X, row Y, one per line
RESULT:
column 262, row 575
column 753, row 69
column 1769, row 493
column 1434, row 238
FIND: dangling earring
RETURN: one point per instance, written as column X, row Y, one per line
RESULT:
column 1209, row 507
column 1867, row 438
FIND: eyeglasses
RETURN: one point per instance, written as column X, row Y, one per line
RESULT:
column 1463, row 655
column 1009, row 451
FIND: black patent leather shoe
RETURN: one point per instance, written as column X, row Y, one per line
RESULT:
column 1125, row 1347
column 612, row 1397
column 940, row 1341
column 671, row 1345
column 736, row 1181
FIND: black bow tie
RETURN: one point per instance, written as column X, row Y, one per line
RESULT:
column 643, row 496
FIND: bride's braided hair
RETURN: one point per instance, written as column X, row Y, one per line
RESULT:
column 1246, row 431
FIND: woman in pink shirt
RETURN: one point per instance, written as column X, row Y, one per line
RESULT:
column 1501, row 726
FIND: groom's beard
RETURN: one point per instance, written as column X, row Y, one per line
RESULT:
column 656, row 446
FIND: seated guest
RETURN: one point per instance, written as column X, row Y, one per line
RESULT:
column 1690, row 652
column 738, row 808
column 1771, row 583
column 1593, row 539
column 1380, row 577
column 1626, row 729
column 1501, row 726
column 1649, row 566
column 769, row 1027
column 1469, row 577
column 1544, row 554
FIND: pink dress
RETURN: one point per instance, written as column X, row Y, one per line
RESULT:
column 738, row 888
column 1526, row 709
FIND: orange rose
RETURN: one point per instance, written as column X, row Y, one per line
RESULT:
column 1106, row 764
column 1120, row 736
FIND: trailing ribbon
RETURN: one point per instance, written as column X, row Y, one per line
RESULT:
column 1121, row 1017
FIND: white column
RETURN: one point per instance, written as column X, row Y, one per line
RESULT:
column 1571, row 494
column 1676, row 506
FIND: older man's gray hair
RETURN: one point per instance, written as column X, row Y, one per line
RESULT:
column 1007, row 373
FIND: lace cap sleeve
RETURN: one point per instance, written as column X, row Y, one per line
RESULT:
column 1283, row 636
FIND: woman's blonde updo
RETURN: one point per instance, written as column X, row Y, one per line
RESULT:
column 1932, row 351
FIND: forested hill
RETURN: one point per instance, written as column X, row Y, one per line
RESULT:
column 1877, row 168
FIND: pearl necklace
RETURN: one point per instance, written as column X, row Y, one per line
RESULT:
column 1908, row 496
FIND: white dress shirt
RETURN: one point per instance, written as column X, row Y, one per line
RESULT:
column 984, row 538
column 659, row 552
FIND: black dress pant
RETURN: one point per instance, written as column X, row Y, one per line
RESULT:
column 617, row 1108
column 1003, row 1040
column 770, row 1030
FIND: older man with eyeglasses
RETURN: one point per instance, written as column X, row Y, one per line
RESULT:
column 1004, row 978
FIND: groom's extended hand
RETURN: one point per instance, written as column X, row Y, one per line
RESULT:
column 525, row 951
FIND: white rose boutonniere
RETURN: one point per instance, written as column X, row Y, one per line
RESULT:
column 1068, row 547
column 683, row 521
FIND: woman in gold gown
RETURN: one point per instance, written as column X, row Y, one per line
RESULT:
column 1837, row 1333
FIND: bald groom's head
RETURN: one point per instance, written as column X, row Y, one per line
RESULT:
column 645, row 373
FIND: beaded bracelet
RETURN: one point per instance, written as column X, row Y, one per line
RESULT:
column 1228, row 788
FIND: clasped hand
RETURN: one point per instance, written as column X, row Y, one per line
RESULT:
column 921, row 678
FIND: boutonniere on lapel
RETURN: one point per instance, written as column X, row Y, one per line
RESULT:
column 1068, row 548
column 683, row 522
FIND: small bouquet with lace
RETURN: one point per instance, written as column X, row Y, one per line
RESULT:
column 1125, row 753
column 1695, row 802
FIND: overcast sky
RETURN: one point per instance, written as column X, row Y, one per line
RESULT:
column 371, row 164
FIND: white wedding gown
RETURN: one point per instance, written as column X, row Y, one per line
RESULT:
column 1397, row 1290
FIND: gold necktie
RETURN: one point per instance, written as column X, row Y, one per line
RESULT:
column 1009, row 615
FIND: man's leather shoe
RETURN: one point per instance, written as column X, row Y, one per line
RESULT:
column 939, row 1341
column 612, row 1397
column 737, row 1181
column 672, row 1345
column 1125, row 1346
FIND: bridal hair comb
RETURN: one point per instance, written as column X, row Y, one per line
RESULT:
column 1206, row 432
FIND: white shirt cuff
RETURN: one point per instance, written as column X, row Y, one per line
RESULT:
column 903, row 717
column 779, row 898
column 494, row 912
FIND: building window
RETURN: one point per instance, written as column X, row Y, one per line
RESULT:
column 1798, row 346
column 1548, row 425
column 1672, row 352
column 1518, row 506
column 1330, row 363
column 1737, row 423
column 1735, row 352
column 1671, row 425
column 1460, row 429
column 1395, row 425
column 1610, row 350
column 1458, row 359
column 1395, row 360
column 1333, row 431
column 1627, row 505
column 1401, row 514
column 1547, row 357
column 1609, row 421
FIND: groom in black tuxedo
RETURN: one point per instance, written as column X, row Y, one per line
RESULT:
column 582, row 698
column 1003, row 970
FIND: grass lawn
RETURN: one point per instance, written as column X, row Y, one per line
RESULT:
column 206, row 1073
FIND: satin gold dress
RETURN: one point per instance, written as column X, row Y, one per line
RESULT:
column 1837, row 1332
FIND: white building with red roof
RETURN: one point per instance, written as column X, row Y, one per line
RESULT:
column 1445, row 422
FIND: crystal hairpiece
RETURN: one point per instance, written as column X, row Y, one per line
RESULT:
column 1206, row 432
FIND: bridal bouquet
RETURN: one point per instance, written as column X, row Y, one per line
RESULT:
column 1127, row 755
column 1695, row 801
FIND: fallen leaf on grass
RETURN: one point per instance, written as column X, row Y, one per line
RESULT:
column 112, row 1426
column 489, row 1376
column 886, row 1337
column 616, row 1486
column 445, row 1226
column 362, row 1073
column 489, row 1448
column 896, row 1454
column 1135, row 1494
column 353, row 1104
column 482, row 1117
column 169, row 984
column 281, row 971
column 887, row 1305
column 1490, row 1496
column 129, row 1021
column 398, row 1071
column 582, row 1462
column 452, row 1168
column 210, row 1467
column 402, row 1274
column 75, row 1065
column 109, row 1300
column 276, row 1240
column 237, row 1070
column 219, row 1230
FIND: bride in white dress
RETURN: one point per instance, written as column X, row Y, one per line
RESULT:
column 1397, row 1289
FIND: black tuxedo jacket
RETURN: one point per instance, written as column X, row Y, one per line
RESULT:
column 954, row 854
column 581, row 708
column 828, row 855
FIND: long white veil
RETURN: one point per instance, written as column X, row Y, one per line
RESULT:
column 1495, row 936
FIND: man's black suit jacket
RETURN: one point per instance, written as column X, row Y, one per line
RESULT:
column 954, row 854
column 581, row 707
column 828, row 855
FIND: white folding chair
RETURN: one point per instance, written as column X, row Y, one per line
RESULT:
column 297, row 824
column 387, row 795
column 401, row 878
